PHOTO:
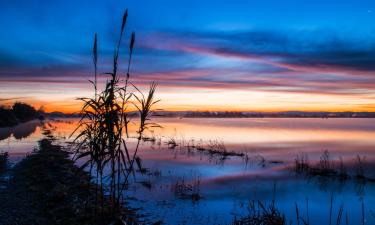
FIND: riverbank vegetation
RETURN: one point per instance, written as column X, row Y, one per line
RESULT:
column 18, row 113
column 47, row 187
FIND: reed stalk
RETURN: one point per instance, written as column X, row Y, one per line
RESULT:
column 102, row 132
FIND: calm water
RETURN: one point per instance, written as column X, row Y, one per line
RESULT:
column 227, row 186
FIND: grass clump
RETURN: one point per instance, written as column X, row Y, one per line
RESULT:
column 261, row 214
column 326, row 167
column 171, row 143
column 301, row 163
column 187, row 190
column 211, row 147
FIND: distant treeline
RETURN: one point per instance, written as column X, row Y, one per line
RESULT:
column 18, row 113
column 215, row 114
column 238, row 114
column 289, row 114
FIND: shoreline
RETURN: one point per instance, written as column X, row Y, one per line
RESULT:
column 47, row 187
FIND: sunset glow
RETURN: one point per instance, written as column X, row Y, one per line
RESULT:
column 233, row 58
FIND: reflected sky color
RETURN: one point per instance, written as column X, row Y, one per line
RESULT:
column 342, row 137
column 211, row 55
column 228, row 186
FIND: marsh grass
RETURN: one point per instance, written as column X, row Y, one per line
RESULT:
column 327, row 167
column 211, row 147
column 360, row 172
column 215, row 149
column 187, row 190
column 151, row 138
column 333, row 218
column 301, row 163
column 102, row 134
column 325, row 164
column 261, row 214
column 171, row 143
column 343, row 172
column 3, row 161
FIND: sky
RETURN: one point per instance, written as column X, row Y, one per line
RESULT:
column 242, row 55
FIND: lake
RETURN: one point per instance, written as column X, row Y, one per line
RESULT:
column 226, row 186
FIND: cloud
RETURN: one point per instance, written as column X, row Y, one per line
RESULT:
column 206, row 78
column 296, row 51
column 273, row 61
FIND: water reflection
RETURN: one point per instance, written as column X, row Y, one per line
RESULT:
column 20, row 131
column 22, row 139
column 272, row 135
column 226, row 186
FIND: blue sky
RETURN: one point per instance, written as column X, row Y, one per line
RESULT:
column 318, row 48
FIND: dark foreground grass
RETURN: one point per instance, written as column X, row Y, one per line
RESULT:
column 47, row 188
column 3, row 161
column 260, row 214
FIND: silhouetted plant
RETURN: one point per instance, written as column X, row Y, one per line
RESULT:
column 103, row 129
column 360, row 173
column 24, row 112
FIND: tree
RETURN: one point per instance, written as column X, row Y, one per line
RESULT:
column 24, row 112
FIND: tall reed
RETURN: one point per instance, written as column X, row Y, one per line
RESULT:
column 102, row 133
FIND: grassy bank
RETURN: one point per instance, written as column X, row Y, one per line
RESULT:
column 48, row 188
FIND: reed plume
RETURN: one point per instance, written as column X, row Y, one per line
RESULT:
column 102, row 133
